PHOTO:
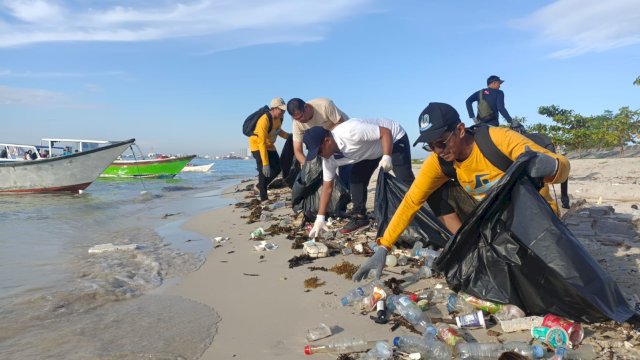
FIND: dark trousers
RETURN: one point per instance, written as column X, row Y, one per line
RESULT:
column 492, row 122
column 452, row 198
column 274, row 164
column 362, row 171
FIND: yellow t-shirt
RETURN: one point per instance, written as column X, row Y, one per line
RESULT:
column 476, row 175
column 264, row 140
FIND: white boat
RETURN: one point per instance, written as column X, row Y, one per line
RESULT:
column 197, row 168
column 74, row 172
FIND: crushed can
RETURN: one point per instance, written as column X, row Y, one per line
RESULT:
column 554, row 337
column 574, row 329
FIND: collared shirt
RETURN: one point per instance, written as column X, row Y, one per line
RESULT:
column 325, row 114
column 357, row 140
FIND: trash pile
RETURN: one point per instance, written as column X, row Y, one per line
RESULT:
column 426, row 318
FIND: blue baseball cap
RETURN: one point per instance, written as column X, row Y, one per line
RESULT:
column 312, row 139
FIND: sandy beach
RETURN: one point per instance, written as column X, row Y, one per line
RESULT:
column 265, row 310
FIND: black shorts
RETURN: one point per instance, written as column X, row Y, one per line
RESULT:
column 451, row 198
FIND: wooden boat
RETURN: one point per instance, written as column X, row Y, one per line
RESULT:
column 73, row 173
column 165, row 167
column 197, row 168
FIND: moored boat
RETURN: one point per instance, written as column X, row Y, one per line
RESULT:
column 197, row 168
column 166, row 167
column 70, row 172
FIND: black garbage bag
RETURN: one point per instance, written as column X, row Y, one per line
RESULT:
column 424, row 227
column 305, row 195
column 289, row 164
column 514, row 250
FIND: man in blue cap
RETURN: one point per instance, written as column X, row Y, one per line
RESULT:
column 490, row 104
column 367, row 144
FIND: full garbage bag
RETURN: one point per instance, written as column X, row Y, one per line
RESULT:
column 514, row 250
column 305, row 195
column 424, row 227
column 289, row 164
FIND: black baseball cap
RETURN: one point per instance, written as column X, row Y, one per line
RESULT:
column 434, row 120
column 312, row 139
column 493, row 78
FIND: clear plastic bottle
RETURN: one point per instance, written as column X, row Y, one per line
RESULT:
column 456, row 303
column 482, row 351
column 343, row 346
column 403, row 305
column 359, row 293
column 423, row 273
column 449, row 335
column 584, row 352
column 434, row 296
column 428, row 346
column 510, row 312
column 382, row 351
column 559, row 353
column 429, row 255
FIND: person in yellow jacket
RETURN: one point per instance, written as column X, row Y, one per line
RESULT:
column 446, row 137
column 262, row 145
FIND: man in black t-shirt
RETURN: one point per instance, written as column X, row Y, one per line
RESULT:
column 495, row 99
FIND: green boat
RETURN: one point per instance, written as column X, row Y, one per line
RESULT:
column 166, row 167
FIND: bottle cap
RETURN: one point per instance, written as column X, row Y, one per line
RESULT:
column 396, row 341
column 413, row 297
column 538, row 351
column 344, row 301
column 307, row 350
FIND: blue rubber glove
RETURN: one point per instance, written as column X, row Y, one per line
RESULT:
column 376, row 262
column 542, row 165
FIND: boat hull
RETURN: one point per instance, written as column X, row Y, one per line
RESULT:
column 70, row 173
column 198, row 168
column 148, row 168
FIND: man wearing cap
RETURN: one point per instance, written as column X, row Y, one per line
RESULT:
column 495, row 99
column 261, row 144
column 367, row 144
column 451, row 201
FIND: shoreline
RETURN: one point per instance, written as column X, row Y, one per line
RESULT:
column 264, row 309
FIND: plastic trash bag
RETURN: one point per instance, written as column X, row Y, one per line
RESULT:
column 289, row 164
column 424, row 227
column 514, row 250
column 305, row 195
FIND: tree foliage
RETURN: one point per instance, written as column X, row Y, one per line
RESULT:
column 577, row 132
column 637, row 81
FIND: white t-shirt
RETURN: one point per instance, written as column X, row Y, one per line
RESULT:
column 358, row 139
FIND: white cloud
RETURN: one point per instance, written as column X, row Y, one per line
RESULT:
column 37, row 97
column 584, row 26
column 52, row 75
column 33, row 21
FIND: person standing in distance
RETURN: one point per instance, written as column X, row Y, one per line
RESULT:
column 495, row 99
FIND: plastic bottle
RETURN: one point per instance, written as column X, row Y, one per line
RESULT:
column 403, row 305
column 434, row 296
column 559, row 353
column 423, row 273
column 429, row 255
column 343, row 346
column 382, row 351
column 584, row 352
column 319, row 332
column 510, row 312
column 359, row 293
column 449, row 335
column 428, row 346
column 481, row 351
column 457, row 303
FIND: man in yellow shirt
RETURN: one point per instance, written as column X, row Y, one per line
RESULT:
column 448, row 140
column 262, row 144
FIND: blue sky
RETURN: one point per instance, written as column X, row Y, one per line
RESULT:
column 181, row 77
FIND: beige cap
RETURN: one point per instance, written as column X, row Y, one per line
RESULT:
column 278, row 103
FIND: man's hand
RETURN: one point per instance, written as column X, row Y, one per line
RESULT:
column 266, row 171
column 376, row 262
column 319, row 227
column 475, row 120
column 385, row 163
column 516, row 126
column 542, row 165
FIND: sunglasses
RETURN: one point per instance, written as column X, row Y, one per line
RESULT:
column 440, row 144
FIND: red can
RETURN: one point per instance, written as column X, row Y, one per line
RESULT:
column 574, row 329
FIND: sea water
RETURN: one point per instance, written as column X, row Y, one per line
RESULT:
column 57, row 301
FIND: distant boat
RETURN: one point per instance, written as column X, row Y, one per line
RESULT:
column 165, row 167
column 73, row 172
column 197, row 168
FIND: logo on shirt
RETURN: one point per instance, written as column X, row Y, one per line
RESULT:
column 424, row 122
column 480, row 181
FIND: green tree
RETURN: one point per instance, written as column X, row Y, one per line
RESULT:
column 637, row 81
column 573, row 130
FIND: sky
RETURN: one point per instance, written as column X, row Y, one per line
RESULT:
column 181, row 77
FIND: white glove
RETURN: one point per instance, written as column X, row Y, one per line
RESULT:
column 319, row 227
column 385, row 163
column 266, row 171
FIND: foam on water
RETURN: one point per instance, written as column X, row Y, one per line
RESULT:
column 57, row 301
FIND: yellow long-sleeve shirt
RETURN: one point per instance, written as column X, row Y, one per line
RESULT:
column 263, row 140
column 476, row 175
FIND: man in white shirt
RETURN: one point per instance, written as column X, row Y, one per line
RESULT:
column 367, row 144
